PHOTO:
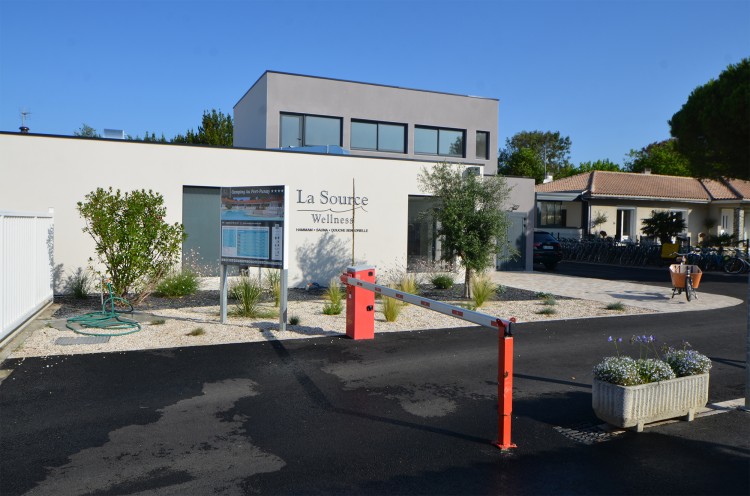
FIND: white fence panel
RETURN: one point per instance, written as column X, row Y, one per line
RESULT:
column 26, row 266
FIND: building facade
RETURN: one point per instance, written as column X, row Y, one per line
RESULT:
column 616, row 203
column 385, row 138
column 285, row 111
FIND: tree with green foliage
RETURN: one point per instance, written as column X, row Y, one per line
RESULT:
column 216, row 129
column 546, row 152
column 713, row 127
column 583, row 167
column 133, row 242
column 661, row 158
column 663, row 225
column 86, row 131
column 472, row 222
column 150, row 138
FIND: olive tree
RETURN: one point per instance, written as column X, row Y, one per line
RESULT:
column 472, row 223
column 133, row 242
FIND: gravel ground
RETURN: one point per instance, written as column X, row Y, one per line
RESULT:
column 195, row 320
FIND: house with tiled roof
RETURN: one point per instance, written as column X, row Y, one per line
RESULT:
column 568, row 207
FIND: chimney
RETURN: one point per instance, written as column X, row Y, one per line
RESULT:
column 24, row 129
column 547, row 179
column 647, row 171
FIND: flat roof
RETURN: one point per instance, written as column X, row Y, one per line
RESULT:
column 360, row 82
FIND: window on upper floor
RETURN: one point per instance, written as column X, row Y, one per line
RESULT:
column 379, row 136
column 439, row 141
column 483, row 145
column 309, row 130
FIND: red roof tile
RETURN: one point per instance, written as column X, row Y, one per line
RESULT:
column 605, row 184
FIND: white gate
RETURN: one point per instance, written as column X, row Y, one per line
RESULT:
column 26, row 266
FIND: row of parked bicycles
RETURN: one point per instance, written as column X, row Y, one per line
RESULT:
column 730, row 260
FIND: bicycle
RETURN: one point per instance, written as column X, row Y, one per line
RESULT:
column 685, row 277
column 737, row 264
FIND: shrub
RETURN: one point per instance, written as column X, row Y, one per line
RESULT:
column 617, row 305
column 158, row 322
column 687, row 362
column 294, row 320
column 198, row 331
column 620, row 370
column 442, row 281
column 132, row 240
column 178, row 283
column 653, row 370
column 333, row 295
column 482, row 289
column 549, row 301
column 391, row 308
column 626, row 371
column 79, row 283
column 248, row 292
column 542, row 295
column 547, row 311
column 408, row 284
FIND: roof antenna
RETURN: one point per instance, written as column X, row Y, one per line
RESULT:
column 24, row 128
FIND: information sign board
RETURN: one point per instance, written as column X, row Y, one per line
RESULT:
column 253, row 226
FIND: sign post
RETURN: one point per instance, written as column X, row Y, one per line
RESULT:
column 254, row 232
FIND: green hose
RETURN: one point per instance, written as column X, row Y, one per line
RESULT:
column 109, row 318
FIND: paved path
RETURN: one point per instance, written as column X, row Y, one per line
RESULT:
column 635, row 294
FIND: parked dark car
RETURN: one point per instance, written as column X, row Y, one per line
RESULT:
column 547, row 249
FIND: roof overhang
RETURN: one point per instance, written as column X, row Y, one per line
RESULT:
column 559, row 196
column 700, row 201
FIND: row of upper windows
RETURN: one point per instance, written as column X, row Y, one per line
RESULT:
column 314, row 130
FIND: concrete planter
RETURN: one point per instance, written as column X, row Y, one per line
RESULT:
column 633, row 406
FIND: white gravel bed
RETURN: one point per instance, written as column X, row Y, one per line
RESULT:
column 200, row 326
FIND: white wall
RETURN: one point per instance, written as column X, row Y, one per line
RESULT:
column 58, row 172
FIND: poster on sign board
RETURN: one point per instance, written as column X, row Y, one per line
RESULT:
column 253, row 226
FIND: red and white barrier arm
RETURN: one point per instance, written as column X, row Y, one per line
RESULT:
column 454, row 311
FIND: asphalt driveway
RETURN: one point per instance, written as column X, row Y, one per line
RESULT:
column 406, row 413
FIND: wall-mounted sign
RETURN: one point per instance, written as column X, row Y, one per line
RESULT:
column 329, row 212
column 253, row 226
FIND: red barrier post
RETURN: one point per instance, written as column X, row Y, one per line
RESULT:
column 360, row 304
column 504, row 386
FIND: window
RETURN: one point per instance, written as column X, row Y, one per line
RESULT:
column 551, row 214
column 378, row 136
column 483, row 145
column 309, row 130
column 438, row 141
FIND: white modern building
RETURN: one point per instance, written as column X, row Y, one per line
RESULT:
column 42, row 171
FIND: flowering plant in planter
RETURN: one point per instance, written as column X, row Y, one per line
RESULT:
column 627, row 371
column 630, row 392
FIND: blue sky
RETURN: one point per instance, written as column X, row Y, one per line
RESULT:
column 609, row 74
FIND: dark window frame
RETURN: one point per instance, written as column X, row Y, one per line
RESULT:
column 558, row 215
column 377, row 135
column 437, row 151
column 303, row 125
column 486, row 155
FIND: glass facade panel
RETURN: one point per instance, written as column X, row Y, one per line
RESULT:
column 391, row 137
column 425, row 140
column 364, row 135
column 482, row 148
column 322, row 131
column 451, row 143
column 423, row 246
column 291, row 131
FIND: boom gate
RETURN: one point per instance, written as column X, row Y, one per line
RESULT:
column 360, row 324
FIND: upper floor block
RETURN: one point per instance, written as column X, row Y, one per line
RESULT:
column 284, row 110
